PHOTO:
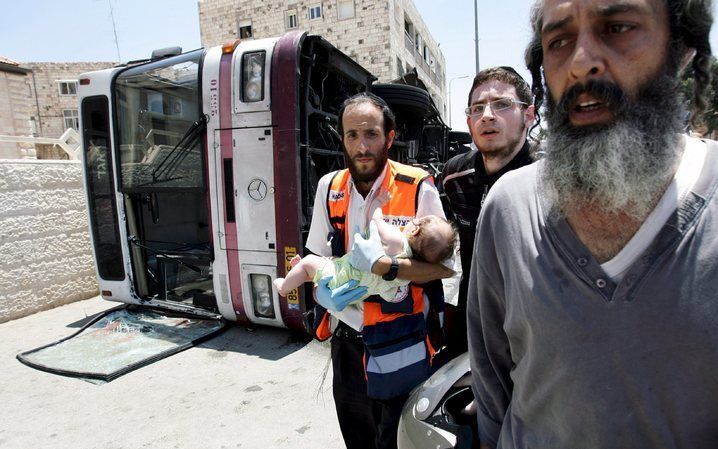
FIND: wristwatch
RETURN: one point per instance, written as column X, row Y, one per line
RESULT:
column 393, row 270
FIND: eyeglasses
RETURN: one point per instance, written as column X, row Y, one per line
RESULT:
column 497, row 105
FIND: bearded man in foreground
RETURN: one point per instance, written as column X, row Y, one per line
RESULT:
column 593, row 299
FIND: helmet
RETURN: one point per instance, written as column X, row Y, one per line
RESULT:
column 437, row 414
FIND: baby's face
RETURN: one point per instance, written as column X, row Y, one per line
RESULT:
column 416, row 232
column 429, row 238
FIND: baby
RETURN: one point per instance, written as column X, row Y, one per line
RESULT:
column 429, row 239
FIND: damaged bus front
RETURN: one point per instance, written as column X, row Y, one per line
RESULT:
column 200, row 171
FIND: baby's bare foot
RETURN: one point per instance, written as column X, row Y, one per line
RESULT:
column 295, row 260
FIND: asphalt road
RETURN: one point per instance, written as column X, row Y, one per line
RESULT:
column 258, row 388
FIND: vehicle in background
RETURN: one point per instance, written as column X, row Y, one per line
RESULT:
column 201, row 169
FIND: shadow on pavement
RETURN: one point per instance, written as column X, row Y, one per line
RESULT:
column 264, row 342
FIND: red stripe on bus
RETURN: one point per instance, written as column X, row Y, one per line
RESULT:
column 225, row 141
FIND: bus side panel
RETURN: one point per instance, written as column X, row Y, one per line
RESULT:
column 285, row 101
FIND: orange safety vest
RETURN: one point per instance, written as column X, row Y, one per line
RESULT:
column 398, row 351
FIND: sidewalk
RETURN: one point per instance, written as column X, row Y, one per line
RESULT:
column 242, row 389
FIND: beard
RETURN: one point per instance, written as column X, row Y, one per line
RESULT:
column 369, row 176
column 513, row 142
column 618, row 168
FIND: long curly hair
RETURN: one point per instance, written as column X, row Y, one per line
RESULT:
column 690, row 26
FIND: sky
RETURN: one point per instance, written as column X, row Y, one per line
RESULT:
column 81, row 30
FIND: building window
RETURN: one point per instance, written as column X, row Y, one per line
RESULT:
column 417, row 42
column 315, row 12
column 399, row 67
column 33, row 127
column 291, row 19
column 71, row 119
column 345, row 9
column 245, row 29
column 408, row 27
column 67, row 87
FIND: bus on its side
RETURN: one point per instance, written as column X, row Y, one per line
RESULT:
column 200, row 172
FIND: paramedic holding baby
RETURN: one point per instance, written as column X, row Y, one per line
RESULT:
column 368, row 409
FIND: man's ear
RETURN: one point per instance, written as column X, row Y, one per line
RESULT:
column 686, row 59
column 530, row 115
column 390, row 138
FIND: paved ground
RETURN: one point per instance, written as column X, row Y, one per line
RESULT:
column 248, row 389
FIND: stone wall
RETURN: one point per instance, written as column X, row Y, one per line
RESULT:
column 46, row 253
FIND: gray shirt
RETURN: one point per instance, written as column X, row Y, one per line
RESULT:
column 562, row 357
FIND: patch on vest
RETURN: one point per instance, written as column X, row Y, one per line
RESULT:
column 401, row 293
column 404, row 178
column 336, row 195
column 397, row 220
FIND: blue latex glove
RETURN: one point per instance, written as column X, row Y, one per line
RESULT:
column 340, row 297
column 366, row 251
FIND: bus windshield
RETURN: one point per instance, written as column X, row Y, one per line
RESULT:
column 160, row 126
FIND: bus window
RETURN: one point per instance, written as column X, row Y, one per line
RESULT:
column 101, row 188
column 160, row 127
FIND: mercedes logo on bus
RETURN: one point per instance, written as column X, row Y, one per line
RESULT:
column 257, row 189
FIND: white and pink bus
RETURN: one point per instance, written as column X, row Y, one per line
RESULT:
column 200, row 169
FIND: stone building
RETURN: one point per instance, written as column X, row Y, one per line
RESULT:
column 56, row 93
column 39, row 99
column 16, row 98
column 387, row 37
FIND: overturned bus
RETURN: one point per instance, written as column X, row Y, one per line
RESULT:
column 200, row 169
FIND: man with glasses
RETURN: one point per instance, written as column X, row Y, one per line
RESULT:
column 593, row 298
column 499, row 115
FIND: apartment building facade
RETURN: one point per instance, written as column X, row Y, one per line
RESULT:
column 387, row 37
column 15, row 106
column 39, row 99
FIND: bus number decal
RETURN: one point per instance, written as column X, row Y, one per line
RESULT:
column 293, row 296
column 213, row 98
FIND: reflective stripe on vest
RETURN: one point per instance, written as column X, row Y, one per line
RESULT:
column 397, row 356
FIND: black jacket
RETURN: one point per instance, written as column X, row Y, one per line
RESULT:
column 465, row 186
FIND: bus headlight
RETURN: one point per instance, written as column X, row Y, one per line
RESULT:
column 262, row 295
column 253, row 77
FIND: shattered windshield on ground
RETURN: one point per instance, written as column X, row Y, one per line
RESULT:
column 120, row 341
